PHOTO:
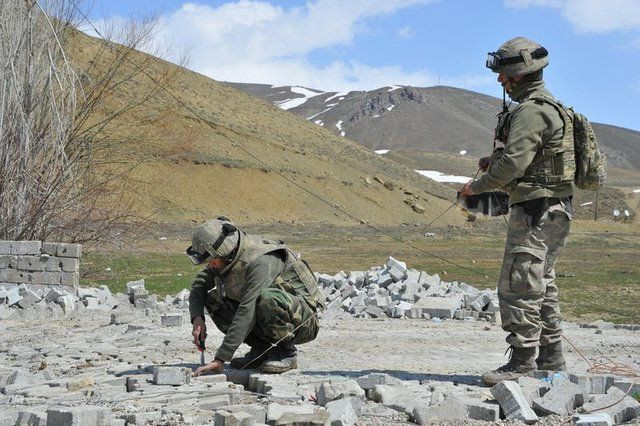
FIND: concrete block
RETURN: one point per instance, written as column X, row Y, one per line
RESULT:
column 28, row 298
column 598, row 419
column 337, row 390
column 171, row 320
column 344, row 411
column 397, row 274
column 393, row 263
column 181, row 296
column 31, row 418
column 3, row 294
column 49, row 248
column 131, row 285
column 628, row 386
column 119, row 318
column 533, row 388
column 69, row 264
column 616, row 403
column 32, row 263
column 25, row 247
column 483, row 411
column 14, row 276
column 69, row 250
column 5, row 247
column 46, row 278
column 591, row 383
column 174, row 376
column 513, row 403
column 451, row 408
column 374, row 311
column 23, row 378
column 436, row 290
column 561, row 399
column 414, row 313
column 67, row 302
column 257, row 411
column 370, row 380
column 94, row 303
column 144, row 418
column 385, row 280
column 287, row 414
column 54, row 294
column 480, row 302
column 13, row 296
column 439, row 307
column 78, row 416
column 69, row 278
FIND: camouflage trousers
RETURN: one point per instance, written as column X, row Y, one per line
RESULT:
column 526, row 289
column 277, row 314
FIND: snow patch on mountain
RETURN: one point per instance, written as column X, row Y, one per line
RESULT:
column 321, row 112
column 390, row 108
column 382, row 151
column 441, row 177
column 392, row 88
column 339, row 95
column 339, row 125
column 637, row 191
column 296, row 102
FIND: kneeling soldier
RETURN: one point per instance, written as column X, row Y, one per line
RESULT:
column 256, row 291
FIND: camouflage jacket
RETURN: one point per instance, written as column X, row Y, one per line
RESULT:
column 533, row 126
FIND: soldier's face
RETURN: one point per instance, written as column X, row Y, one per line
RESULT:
column 509, row 82
column 217, row 263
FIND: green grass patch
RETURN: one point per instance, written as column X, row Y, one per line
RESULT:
column 163, row 273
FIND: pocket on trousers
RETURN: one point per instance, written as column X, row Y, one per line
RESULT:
column 527, row 270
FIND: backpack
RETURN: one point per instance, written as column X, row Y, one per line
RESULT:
column 590, row 163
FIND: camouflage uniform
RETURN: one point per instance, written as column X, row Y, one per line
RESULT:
column 526, row 289
column 259, row 298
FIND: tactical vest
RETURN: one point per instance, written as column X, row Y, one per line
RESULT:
column 554, row 163
column 296, row 278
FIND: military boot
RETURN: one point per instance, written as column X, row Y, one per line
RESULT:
column 252, row 359
column 521, row 363
column 550, row 357
column 281, row 359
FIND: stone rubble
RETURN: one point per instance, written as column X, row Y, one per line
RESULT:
column 115, row 378
column 395, row 291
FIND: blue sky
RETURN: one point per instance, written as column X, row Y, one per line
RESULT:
column 340, row 45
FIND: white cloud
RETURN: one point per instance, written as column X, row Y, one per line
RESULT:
column 594, row 16
column 257, row 41
column 405, row 32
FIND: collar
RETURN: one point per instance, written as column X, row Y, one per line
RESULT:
column 525, row 89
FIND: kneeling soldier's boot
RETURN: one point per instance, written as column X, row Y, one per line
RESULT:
column 281, row 359
column 550, row 357
column 522, row 363
column 252, row 359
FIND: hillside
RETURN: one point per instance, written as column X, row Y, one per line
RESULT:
column 191, row 171
column 422, row 119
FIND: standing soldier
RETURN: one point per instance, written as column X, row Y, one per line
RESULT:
column 536, row 168
column 256, row 291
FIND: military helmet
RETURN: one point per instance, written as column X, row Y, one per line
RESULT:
column 518, row 56
column 214, row 238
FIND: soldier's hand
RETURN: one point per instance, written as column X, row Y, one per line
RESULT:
column 484, row 163
column 199, row 331
column 466, row 189
column 217, row 367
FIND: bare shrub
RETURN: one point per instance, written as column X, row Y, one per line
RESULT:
column 72, row 130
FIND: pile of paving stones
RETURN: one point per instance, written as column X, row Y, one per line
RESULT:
column 395, row 291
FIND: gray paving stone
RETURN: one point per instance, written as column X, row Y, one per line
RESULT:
column 171, row 320
column 451, row 408
column 563, row 397
column 599, row 419
column 533, row 388
column 174, row 376
column 483, row 411
column 286, row 414
column 438, row 306
column 344, row 411
column 69, row 250
column 369, row 381
column 257, row 411
column 337, row 390
column 25, row 247
column 623, row 409
column 513, row 403
column 78, row 416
